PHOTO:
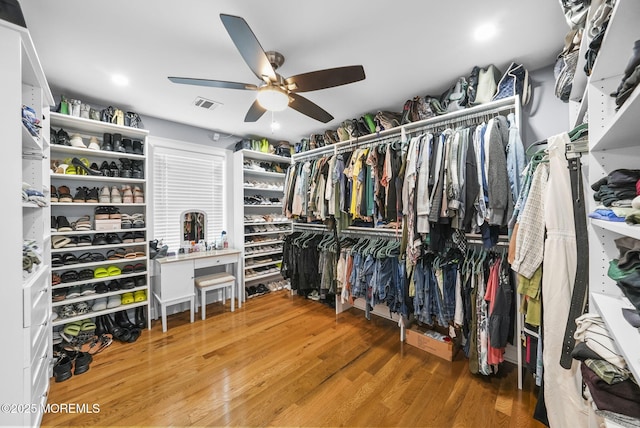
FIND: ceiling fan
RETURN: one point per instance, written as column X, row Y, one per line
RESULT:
column 276, row 92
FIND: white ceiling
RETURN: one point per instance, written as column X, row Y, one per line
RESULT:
column 407, row 48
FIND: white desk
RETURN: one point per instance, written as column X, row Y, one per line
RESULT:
column 174, row 276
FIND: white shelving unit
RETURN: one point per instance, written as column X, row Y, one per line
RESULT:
column 613, row 143
column 134, row 267
column 26, row 316
column 264, row 226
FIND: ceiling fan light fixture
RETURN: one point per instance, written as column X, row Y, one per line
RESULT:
column 272, row 98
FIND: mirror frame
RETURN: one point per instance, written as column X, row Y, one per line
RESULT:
column 192, row 227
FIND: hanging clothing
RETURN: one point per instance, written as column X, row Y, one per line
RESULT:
column 562, row 388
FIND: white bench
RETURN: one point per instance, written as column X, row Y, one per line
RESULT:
column 216, row 281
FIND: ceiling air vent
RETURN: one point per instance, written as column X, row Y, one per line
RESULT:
column 206, row 104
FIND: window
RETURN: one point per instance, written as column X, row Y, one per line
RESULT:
column 185, row 180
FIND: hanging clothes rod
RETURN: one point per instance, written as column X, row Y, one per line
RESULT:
column 451, row 119
column 372, row 232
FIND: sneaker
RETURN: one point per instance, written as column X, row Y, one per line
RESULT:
column 76, row 141
column 138, row 195
column 116, row 198
column 127, row 194
column 81, row 195
column 105, row 195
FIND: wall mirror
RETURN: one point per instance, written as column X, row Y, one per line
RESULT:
column 193, row 226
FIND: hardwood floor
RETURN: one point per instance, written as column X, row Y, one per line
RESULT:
column 283, row 360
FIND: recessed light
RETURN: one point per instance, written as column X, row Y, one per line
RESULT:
column 120, row 80
column 485, row 32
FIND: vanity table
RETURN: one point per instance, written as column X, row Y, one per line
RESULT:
column 173, row 276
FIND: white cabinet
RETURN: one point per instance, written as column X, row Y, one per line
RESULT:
column 25, row 317
column 107, row 256
column 613, row 143
column 260, row 180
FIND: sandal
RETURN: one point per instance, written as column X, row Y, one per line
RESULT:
column 69, row 276
column 69, row 259
column 114, row 271
column 81, row 308
column 72, row 329
column 100, row 272
column 127, row 298
column 139, row 267
column 59, row 241
column 140, row 296
column 116, row 254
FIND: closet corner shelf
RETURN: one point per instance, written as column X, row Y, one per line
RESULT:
column 626, row 337
column 621, row 129
column 30, row 142
column 269, row 157
column 93, row 126
column 618, row 227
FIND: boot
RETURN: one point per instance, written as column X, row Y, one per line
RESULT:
column 100, row 328
column 122, row 319
column 140, row 318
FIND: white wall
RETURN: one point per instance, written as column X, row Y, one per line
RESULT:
column 545, row 115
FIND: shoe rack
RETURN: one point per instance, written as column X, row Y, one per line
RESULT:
column 99, row 221
column 260, row 180
column 26, row 289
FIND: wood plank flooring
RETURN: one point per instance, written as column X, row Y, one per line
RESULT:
column 283, row 360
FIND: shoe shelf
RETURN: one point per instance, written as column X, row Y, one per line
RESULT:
column 261, row 276
column 77, row 266
column 98, row 178
column 70, row 150
column 94, row 127
column 93, row 231
column 263, row 206
column 94, row 296
column 271, row 232
column 94, row 314
column 118, row 169
column 258, row 173
column 261, row 243
column 98, row 280
column 260, row 179
column 266, row 253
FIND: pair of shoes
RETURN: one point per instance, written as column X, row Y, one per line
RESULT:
column 71, row 363
column 85, row 194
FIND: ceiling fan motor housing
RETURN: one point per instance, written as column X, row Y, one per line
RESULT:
column 275, row 58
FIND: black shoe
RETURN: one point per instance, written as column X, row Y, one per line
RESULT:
column 114, row 171
column 137, row 147
column 92, row 196
column 62, row 369
column 107, row 142
column 82, row 361
column 104, row 169
column 63, row 137
column 100, row 328
column 136, row 169
column 117, row 143
column 140, row 319
column 81, row 195
column 122, row 319
column 128, row 145
column 126, row 168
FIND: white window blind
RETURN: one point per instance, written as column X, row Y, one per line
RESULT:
column 184, row 180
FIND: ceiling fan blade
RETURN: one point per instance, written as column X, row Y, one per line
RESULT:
column 327, row 78
column 306, row 107
column 248, row 46
column 213, row 83
column 255, row 112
